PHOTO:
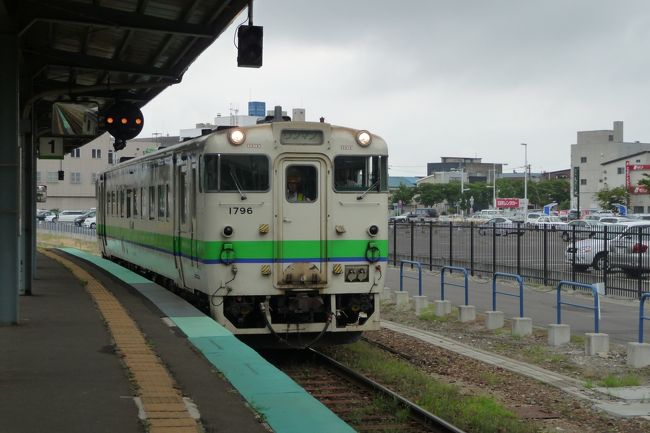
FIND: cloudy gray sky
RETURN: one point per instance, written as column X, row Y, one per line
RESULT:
column 436, row 78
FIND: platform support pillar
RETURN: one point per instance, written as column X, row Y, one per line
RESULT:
column 9, row 180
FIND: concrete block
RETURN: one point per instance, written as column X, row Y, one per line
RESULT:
column 467, row 313
column 387, row 294
column 638, row 354
column 522, row 326
column 421, row 303
column 402, row 299
column 494, row 319
column 596, row 343
column 558, row 334
column 443, row 308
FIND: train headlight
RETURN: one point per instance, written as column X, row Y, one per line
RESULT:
column 236, row 137
column 364, row 138
column 373, row 230
column 228, row 231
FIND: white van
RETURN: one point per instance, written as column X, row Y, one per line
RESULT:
column 68, row 216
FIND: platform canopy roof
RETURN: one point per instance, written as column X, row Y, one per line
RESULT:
column 102, row 51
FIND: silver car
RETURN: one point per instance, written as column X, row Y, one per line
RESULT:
column 629, row 252
column 500, row 226
column 593, row 252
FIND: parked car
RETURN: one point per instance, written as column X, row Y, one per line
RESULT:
column 594, row 252
column 78, row 221
column 532, row 217
column 68, row 216
column 614, row 220
column 550, row 222
column 403, row 217
column 583, row 229
column 500, row 226
column 45, row 215
column 629, row 251
column 426, row 214
column 90, row 222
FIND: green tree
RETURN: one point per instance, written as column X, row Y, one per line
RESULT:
column 645, row 181
column 607, row 197
column 404, row 193
column 431, row 194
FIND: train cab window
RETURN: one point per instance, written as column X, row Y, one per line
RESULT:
column 360, row 173
column 301, row 183
column 236, row 173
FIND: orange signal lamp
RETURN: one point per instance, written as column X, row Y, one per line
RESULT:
column 124, row 120
column 138, row 121
column 110, row 120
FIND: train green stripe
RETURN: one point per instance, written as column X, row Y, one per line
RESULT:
column 260, row 250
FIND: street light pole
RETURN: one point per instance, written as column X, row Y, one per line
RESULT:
column 525, row 174
column 494, row 183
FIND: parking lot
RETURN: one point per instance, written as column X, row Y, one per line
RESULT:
column 539, row 255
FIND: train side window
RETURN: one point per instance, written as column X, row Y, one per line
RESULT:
column 135, row 202
column 128, row 203
column 167, row 201
column 152, row 202
column 161, row 202
column 122, row 203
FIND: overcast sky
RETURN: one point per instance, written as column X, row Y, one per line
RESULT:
column 436, row 78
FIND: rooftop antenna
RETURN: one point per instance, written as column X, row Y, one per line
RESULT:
column 234, row 110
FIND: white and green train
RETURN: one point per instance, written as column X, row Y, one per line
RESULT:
column 279, row 230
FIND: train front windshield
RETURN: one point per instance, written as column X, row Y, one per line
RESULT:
column 359, row 173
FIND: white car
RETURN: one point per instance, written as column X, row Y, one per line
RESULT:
column 550, row 222
column 592, row 252
column 90, row 222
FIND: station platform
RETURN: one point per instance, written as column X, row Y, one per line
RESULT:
column 101, row 349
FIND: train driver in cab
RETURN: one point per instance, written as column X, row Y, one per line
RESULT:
column 295, row 192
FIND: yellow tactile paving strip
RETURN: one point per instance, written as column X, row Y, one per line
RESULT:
column 163, row 404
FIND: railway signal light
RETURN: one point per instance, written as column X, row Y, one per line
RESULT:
column 249, row 46
column 123, row 121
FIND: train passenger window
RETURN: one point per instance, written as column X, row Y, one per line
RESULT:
column 234, row 173
column 128, row 203
column 161, row 202
column 301, row 183
column 135, row 202
column 360, row 173
column 122, row 204
column 152, row 202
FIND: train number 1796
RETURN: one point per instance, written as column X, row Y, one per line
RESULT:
column 240, row 210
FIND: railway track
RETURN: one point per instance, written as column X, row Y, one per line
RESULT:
column 365, row 405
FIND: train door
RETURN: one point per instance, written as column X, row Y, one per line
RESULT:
column 302, row 221
column 183, row 233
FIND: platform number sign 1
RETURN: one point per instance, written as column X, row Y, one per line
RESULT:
column 50, row 148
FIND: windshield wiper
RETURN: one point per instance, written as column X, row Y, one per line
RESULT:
column 234, row 178
column 360, row 197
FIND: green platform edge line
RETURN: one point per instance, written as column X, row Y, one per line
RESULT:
column 285, row 406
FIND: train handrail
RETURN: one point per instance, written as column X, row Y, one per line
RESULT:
column 519, row 279
column 442, row 281
column 401, row 274
column 641, row 316
column 594, row 292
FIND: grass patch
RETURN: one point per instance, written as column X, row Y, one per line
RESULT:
column 615, row 381
column 429, row 315
column 474, row 413
column 47, row 240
